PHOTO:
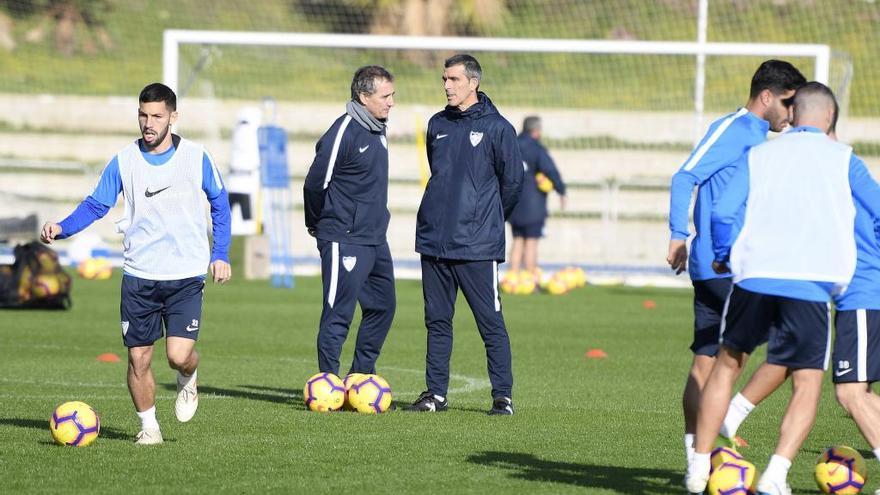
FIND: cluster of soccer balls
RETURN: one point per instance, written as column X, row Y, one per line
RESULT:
column 524, row 283
column 369, row 394
column 839, row 470
column 95, row 269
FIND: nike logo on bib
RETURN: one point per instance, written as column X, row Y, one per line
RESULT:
column 364, row 148
column 150, row 194
column 441, row 136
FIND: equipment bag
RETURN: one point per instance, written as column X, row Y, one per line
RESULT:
column 35, row 280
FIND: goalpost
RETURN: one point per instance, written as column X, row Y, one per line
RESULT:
column 174, row 38
column 617, row 114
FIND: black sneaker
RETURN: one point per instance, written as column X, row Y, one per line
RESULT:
column 502, row 406
column 428, row 402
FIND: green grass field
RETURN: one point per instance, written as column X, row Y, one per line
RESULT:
column 582, row 426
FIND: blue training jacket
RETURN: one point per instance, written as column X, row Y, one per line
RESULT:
column 476, row 178
column 532, row 206
column 345, row 195
column 709, row 167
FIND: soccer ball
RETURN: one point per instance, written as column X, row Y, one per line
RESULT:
column 95, row 269
column 369, row 394
column 734, row 477
column 556, row 285
column 841, row 470
column 509, row 282
column 324, row 392
column 74, row 423
column 350, row 379
column 545, row 185
column 724, row 454
column 45, row 286
column 527, row 283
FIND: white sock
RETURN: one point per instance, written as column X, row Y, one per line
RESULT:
column 439, row 397
column 777, row 469
column 877, row 453
column 184, row 380
column 689, row 446
column 148, row 419
column 739, row 409
column 700, row 464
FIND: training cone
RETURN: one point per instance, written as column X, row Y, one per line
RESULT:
column 649, row 304
column 108, row 357
column 596, row 354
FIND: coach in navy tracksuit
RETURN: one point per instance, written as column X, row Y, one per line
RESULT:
column 345, row 198
column 527, row 219
column 476, row 178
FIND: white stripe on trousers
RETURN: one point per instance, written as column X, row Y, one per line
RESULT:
column 334, row 273
column 495, row 285
column 723, row 325
column 862, row 342
column 827, row 340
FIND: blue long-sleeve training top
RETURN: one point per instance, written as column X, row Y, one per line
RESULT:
column 106, row 192
column 708, row 168
column 728, row 216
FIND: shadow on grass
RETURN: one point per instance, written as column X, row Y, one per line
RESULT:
column 286, row 396
column 620, row 479
column 43, row 424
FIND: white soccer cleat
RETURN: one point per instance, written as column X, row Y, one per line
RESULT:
column 148, row 437
column 771, row 487
column 696, row 483
column 187, row 399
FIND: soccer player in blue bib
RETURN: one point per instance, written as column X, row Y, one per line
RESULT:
column 345, row 197
column 856, row 340
column 784, row 226
column 476, row 178
column 164, row 180
column 709, row 168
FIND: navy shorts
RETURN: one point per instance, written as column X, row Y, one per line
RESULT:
column 797, row 332
column 147, row 305
column 709, row 297
column 529, row 231
column 856, row 346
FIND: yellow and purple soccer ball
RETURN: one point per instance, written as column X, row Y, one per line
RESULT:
column 45, row 285
column 733, row 477
column 349, row 380
column 841, row 470
column 324, row 392
column 527, row 283
column 74, row 423
column 720, row 455
column 509, row 282
column 369, row 394
column 95, row 269
column 545, row 185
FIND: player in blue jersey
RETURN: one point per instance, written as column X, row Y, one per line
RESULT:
column 345, row 197
column 164, row 180
column 856, row 344
column 708, row 168
column 796, row 191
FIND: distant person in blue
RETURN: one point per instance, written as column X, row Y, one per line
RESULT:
column 164, row 180
column 476, row 178
column 527, row 219
column 708, row 168
column 784, row 228
column 855, row 360
column 345, row 197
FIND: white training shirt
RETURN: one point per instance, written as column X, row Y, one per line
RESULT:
column 165, row 225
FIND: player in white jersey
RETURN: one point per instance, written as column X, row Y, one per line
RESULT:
column 164, row 180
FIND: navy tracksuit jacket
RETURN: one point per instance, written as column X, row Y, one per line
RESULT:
column 476, row 177
column 532, row 206
column 345, row 198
